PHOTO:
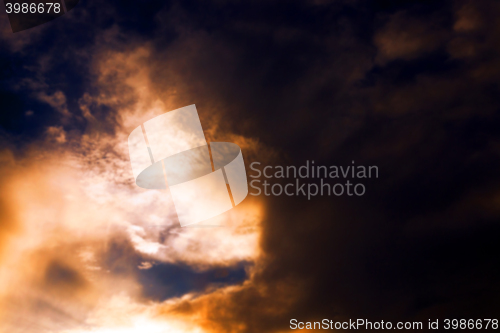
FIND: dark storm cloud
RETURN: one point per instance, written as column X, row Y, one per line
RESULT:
column 411, row 87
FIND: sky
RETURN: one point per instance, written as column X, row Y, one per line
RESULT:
column 411, row 87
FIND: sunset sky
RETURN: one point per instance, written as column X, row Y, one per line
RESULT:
column 412, row 87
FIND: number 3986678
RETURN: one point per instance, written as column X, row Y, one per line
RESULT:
column 33, row 8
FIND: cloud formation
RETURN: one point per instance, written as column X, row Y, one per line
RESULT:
column 411, row 88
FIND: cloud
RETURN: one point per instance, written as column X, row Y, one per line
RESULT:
column 406, row 37
column 69, row 206
column 57, row 100
column 409, row 90
column 80, row 196
column 57, row 134
column 145, row 265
